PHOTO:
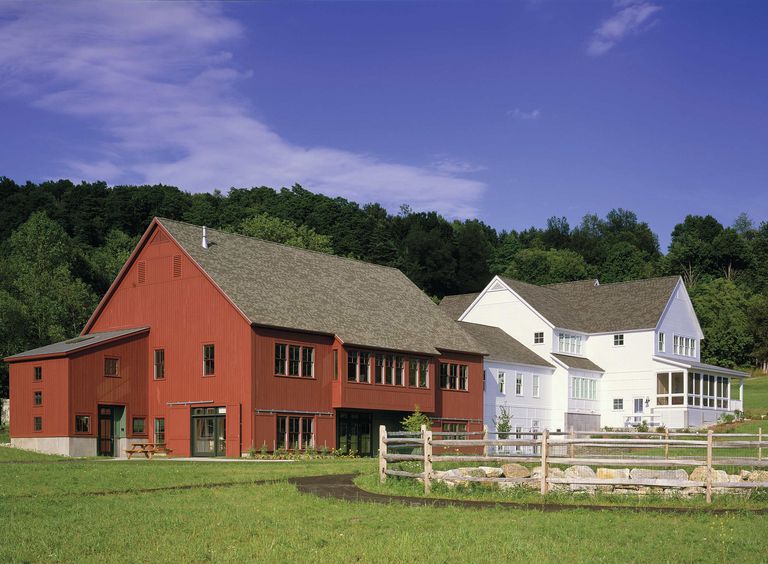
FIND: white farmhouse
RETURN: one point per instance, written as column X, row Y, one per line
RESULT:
column 613, row 355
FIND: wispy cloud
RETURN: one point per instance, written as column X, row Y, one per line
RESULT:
column 455, row 166
column 159, row 82
column 630, row 17
column 517, row 113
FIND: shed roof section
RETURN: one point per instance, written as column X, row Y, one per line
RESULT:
column 502, row 347
column 577, row 362
column 281, row 286
column 64, row 348
column 454, row 306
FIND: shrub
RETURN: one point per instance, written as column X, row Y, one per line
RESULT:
column 642, row 427
column 415, row 420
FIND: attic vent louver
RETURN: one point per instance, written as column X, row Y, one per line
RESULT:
column 205, row 238
column 177, row 266
column 142, row 272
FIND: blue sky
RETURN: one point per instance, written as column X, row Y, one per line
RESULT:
column 507, row 111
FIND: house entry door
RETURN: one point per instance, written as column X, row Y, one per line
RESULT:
column 209, row 431
column 106, row 432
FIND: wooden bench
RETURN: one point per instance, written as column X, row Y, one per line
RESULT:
column 148, row 450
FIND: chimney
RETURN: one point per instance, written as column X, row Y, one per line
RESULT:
column 205, row 238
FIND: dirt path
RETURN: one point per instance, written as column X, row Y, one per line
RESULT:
column 342, row 486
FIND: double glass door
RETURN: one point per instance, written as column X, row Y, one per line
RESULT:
column 209, row 431
column 354, row 432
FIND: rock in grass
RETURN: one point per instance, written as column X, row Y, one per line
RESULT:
column 553, row 472
column 758, row 476
column 646, row 474
column 579, row 472
column 513, row 470
column 700, row 474
column 613, row 473
column 491, row 471
column 471, row 472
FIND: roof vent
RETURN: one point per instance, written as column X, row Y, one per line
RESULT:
column 205, row 238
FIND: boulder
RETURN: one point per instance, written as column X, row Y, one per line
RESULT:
column 646, row 474
column 491, row 471
column 579, row 472
column 515, row 471
column 745, row 474
column 553, row 472
column 471, row 472
column 613, row 473
column 700, row 474
column 758, row 476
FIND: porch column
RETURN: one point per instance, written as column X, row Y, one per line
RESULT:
column 741, row 392
column 685, row 387
column 728, row 394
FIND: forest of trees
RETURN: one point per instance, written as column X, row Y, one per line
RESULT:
column 62, row 244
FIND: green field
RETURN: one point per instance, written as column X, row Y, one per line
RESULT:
column 756, row 396
column 51, row 512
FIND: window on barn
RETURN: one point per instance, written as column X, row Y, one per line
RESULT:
column 294, row 356
column 295, row 432
column 82, row 423
column 38, row 423
column 418, row 372
column 365, row 368
column 111, row 367
column 307, row 362
column 209, row 360
column 281, row 360
column 378, row 370
column 454, row 376
column 38, row 398
column 459, row 428
column 38, row 373
column 139, row 426
column 159, row 364
column 399, row 369
column 160, row 430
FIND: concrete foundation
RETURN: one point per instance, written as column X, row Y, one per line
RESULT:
column 67, row 446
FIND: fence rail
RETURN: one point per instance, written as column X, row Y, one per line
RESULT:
column 614, row 449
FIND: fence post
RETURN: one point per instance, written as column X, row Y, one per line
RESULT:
column 544, row 469
column 571, row 436
column 485, row 438
column 709, row 466
column 382, row 453
column 760, row 442
column 666, row 445
column 426, row 436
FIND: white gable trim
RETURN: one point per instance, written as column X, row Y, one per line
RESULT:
column 495, row 285
column 678, row 286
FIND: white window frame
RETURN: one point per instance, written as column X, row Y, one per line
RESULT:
column 619, row 402
column 661, row 342
column 538, row 337
column 536, row 385
column 635, row 404
column 501, row 379
column 569, row 344
column 618, row 340
column 583, row 388
column 519, row 384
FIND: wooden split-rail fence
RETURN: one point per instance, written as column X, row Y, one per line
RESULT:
column 596, row 448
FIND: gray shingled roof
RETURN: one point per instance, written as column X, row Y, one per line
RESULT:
column 282, row 286
column 71, row 345
column 503, row 347
column 584, row 306
column 455, row 305
column 577, row 362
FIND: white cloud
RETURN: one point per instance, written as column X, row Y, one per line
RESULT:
column 157, row 81
column 517, row 113
column 455, row 166
column 631, row 17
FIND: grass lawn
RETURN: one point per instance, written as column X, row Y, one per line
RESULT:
column 48, row 514
column 756, row 396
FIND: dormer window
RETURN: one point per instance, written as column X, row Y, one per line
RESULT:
column 684, row 346
column 538, row 337
column 569, row 343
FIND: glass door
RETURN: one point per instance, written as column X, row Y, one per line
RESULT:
column 209, row 431
column 353, row 432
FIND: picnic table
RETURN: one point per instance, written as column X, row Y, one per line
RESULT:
column 147, row 449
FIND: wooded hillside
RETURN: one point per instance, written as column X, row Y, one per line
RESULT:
column 62, row 245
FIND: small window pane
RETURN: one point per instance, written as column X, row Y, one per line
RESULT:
column 38, row 372
column 38, row 398
column 307, row 362
column 82, row 424
column 38, row 423
column 293, row 360
column 423, row 374
column 352, row 366
column 209, row 358
column 111, row 367
column 160, row 430
column 159, row 364
column 139, row 426
column 365, row 367
column 280, row 359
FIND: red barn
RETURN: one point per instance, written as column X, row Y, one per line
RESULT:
column 215, row 343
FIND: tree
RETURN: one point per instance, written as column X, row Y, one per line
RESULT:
column 503, row 423
column 538, row 266
column 413, row 422
column 106, row 261
column 722, row 310
column 625, row 262
column 758, row 325
column 279, row 230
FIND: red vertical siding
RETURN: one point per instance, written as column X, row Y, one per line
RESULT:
column 184, row 313
column 55, row 407
column 455, row 404
column 89, row 387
